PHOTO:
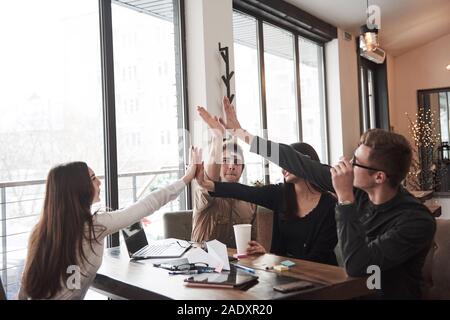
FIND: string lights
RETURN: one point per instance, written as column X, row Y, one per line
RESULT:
column 423, row 128
column 423, row 131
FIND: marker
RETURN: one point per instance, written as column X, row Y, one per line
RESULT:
column 244, row 268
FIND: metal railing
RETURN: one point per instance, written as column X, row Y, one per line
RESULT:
column 137, row 193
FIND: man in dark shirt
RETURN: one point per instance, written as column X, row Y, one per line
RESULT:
column 379, row 223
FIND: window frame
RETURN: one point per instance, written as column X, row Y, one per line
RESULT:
column 260, row 21
column 109, row 109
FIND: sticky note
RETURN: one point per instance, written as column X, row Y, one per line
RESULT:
column 287, row 263
column 280, row 268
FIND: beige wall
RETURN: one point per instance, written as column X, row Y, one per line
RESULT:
column 390, row 66
column 421, row 68
column 348, row 64
column 208, row 22
column 342, row 97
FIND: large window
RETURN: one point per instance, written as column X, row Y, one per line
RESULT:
column 147, row 106
column 276, row 89
column 247, row 88
column 51, row 110
column 51, row 106
column 313, row 96
column 282, row 120
column 374, row 109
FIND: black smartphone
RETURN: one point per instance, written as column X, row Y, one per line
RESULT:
column 294, row 286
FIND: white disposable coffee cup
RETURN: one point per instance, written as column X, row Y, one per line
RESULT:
column 242, row 234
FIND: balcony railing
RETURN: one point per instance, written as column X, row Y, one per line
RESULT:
column 13, row 252
column 13, row 243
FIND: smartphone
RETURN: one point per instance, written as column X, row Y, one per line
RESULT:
column 294, row 286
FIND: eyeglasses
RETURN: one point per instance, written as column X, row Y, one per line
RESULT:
column 354, row 164
column 190, row 266
column 189, row 244
column 187, row 268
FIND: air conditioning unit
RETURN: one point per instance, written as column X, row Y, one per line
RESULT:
column 378, row 55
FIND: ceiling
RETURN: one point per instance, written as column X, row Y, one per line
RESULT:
column 405, row 24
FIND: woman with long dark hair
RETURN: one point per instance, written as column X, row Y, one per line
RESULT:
column 303, row 223
column 68, row 238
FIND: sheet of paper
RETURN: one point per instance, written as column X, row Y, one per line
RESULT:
column 219, row 251
column 196, row 255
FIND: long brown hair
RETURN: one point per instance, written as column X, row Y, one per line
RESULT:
column 57, row 240
column 290, row 198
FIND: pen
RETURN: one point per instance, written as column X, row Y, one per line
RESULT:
column 244, row 268
column 184, row 272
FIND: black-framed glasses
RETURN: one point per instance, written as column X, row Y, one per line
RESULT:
column 198, row 267
column 354, row 164
column 188, row 244
column 190, row 266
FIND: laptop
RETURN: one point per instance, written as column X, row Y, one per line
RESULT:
column 139, row 248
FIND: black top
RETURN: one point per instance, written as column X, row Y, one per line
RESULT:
column 312, row 237
column 395, row 236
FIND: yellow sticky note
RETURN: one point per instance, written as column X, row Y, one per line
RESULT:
column 280, row 268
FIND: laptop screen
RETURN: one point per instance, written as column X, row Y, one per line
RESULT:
column 135, row 238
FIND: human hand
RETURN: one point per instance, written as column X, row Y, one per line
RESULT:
column 342, row 177
column 255, row 248
column 230, row 121
column 218, row 130
column 195, row 159
column 202, row 179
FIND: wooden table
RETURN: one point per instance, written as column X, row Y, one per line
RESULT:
column 119, row 278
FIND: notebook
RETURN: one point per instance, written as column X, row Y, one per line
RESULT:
column 234, row 279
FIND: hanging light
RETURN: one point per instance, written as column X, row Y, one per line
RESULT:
column 368, row 37
column 448, row 67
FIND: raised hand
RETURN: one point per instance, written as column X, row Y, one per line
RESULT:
column 213, row 123
column 342, row 178
column 202, row 180
column 230, row 121
column 195, row 159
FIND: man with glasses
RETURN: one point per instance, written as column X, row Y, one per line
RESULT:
column 379, row 223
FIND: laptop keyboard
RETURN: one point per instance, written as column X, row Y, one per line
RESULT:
column 154, row 250
column 161, row 250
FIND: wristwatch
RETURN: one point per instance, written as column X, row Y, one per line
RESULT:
column 345, row 203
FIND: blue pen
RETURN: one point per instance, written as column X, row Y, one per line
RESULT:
column 244, row 268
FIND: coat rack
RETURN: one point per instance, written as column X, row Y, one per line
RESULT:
column 228, row 75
